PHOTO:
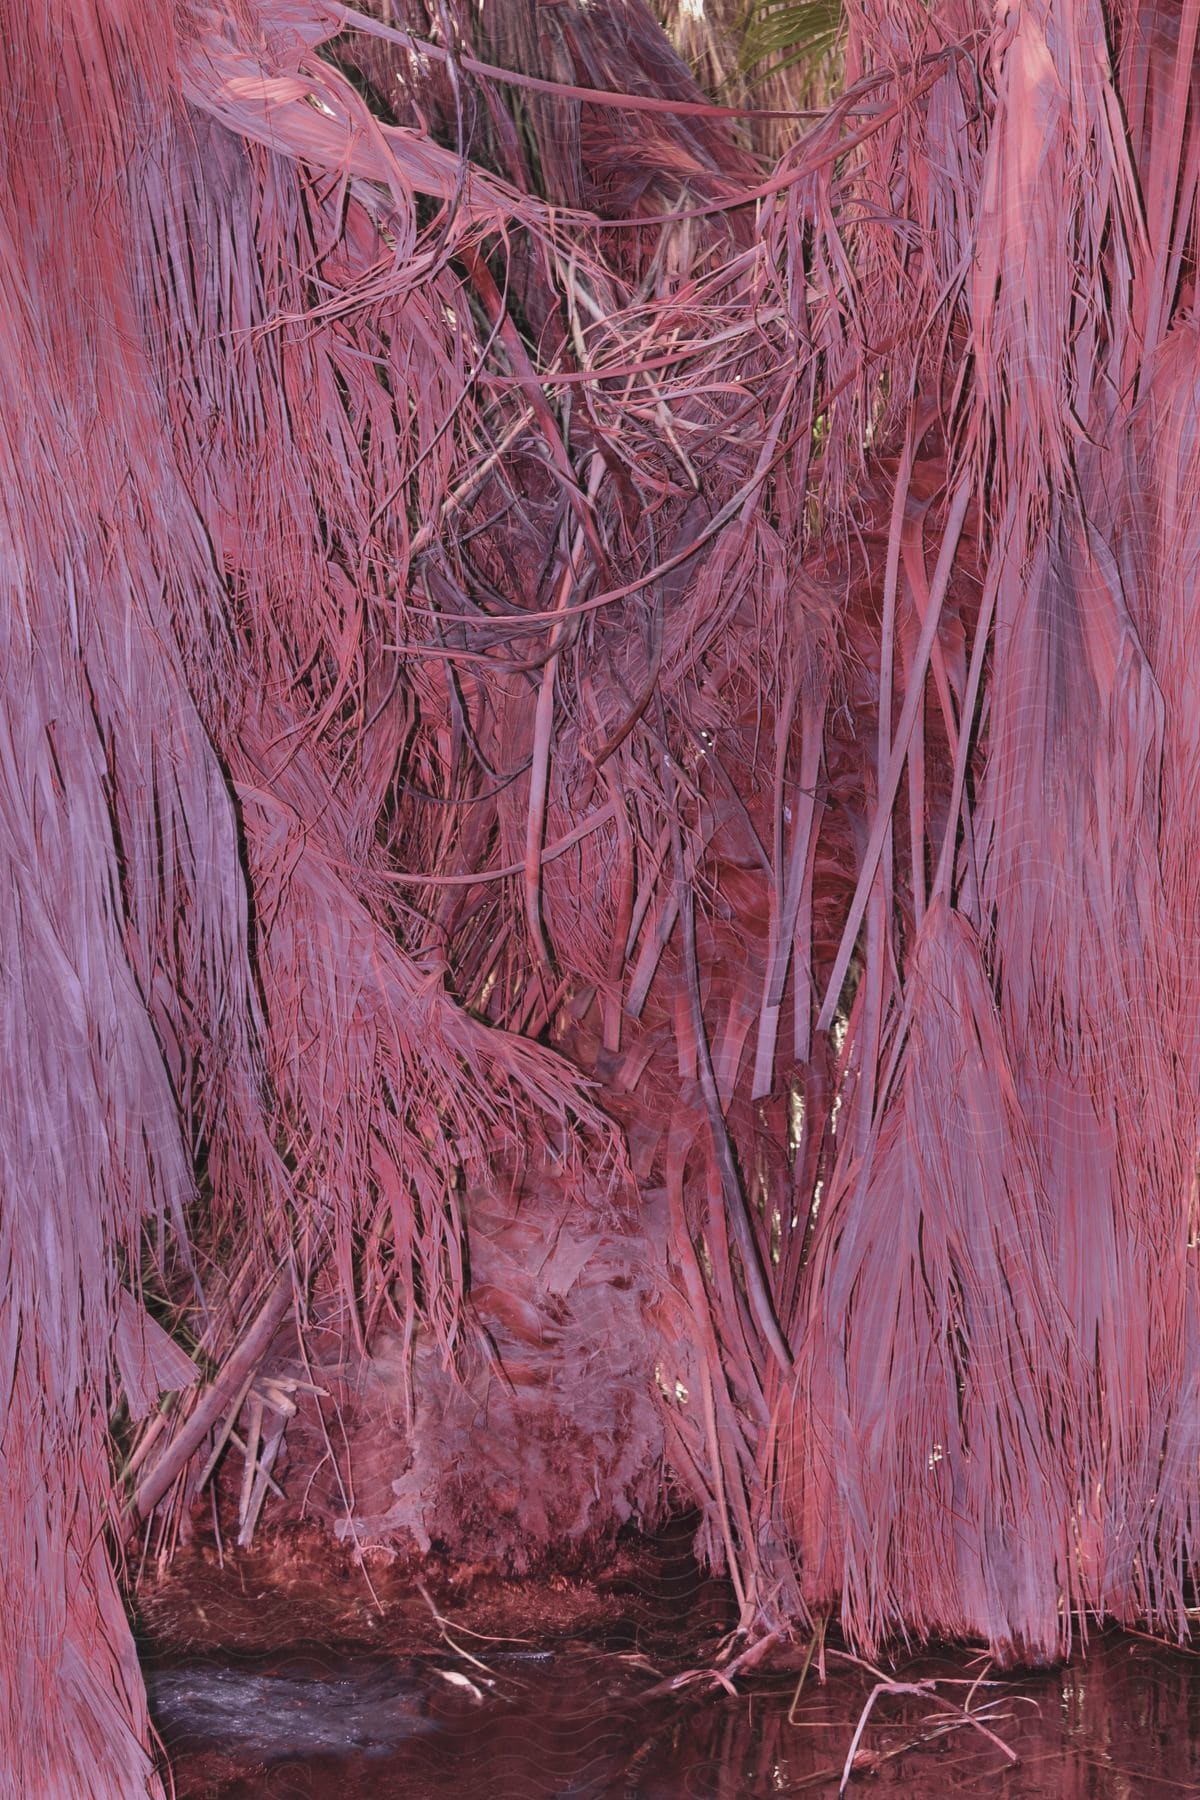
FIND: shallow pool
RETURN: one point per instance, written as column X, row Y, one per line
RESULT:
column 543, row 1725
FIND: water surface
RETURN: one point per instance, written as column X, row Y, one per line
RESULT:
column 1124, row 1724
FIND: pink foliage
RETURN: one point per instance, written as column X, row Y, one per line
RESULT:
column 542, row 654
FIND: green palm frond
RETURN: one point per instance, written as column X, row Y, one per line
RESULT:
column 784, row 33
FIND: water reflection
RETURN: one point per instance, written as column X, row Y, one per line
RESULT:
column 1124, row 1725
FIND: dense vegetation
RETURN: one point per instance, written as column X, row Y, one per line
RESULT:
column 634, row 654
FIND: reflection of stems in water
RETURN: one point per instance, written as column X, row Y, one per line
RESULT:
column 863, row 1762
column 822, row 1777
column 818, row 1637
column 639, row 1759
column 922, row 1689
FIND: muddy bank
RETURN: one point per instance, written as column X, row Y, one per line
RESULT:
column 298, row 1584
